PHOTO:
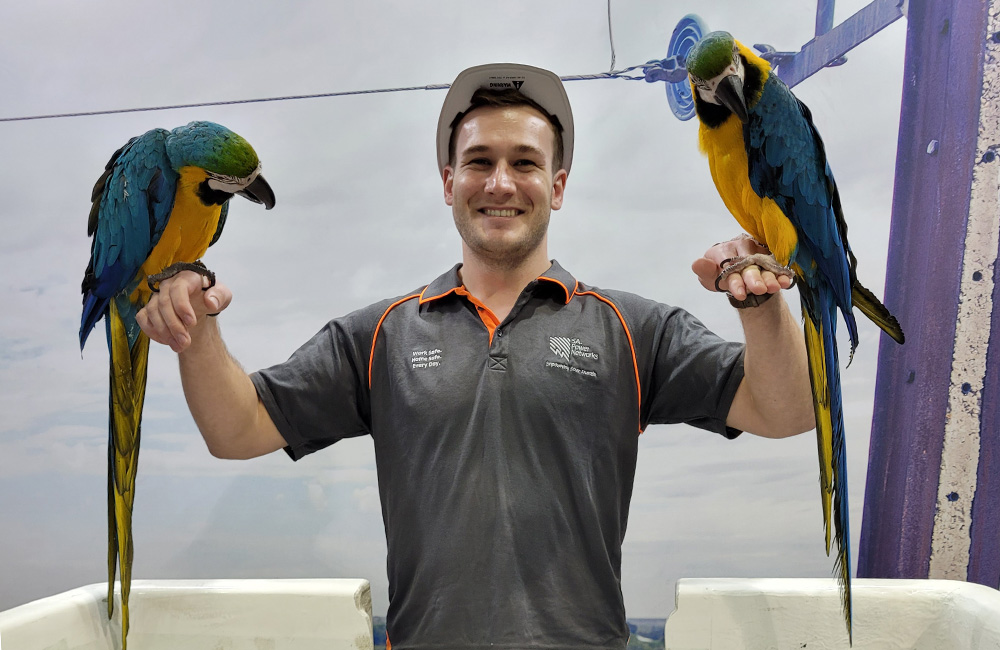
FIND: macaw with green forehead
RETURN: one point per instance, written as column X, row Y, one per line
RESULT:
column 160, row 203
column 770, row 168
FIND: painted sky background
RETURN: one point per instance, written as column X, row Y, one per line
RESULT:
column 360, row 217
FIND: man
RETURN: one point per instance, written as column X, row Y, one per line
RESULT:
column 505, row 398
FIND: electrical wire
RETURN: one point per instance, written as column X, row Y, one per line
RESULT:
column 613, row 74
column 611, row 38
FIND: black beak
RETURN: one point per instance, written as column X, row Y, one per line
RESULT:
column 730, row 93
column 259, row 192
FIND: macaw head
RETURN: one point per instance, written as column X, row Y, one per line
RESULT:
column 230, row 163
column 715, row 68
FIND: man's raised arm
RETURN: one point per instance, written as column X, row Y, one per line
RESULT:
column 775, row 398
column 219, row 392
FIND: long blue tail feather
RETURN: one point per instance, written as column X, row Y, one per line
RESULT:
column 820, row 311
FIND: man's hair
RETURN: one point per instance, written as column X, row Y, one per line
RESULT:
column 497, row 98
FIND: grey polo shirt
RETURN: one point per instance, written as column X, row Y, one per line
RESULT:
column 505, row 451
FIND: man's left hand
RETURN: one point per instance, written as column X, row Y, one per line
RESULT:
column 751, row 280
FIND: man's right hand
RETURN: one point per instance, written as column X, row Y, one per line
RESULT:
column 173, row 315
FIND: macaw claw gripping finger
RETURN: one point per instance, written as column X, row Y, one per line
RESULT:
column 197, row 266
column 761, row 260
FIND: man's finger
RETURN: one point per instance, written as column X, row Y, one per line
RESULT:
column 142, row 319
column 737, row 288
column 154, row 324
column 753, row 281
column 771, row 281
column 173, row 299
column 217, row 298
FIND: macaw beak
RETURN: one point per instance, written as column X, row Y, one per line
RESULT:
column 729, row 92
column 259, row 192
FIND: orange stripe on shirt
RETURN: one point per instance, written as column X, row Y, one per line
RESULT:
column 631, row 345
column 378, row 328
column 569, row 294
column 486, row 314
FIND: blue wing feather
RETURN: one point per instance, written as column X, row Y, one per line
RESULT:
column 132, row 210
column 787, row 163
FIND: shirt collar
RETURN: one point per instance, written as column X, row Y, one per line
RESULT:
column 449, row 281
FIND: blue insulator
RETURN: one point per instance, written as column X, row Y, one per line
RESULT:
column 689, row 31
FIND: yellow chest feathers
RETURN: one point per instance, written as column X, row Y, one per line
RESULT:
column 760, row 217
column 190, row 228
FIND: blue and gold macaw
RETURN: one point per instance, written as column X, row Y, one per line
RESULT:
column 769, row 166
column 160, row 203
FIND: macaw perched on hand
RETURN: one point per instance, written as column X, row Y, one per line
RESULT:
column 160, row 203
column 769, row 166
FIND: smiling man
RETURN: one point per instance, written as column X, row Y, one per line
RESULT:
column 502, row 179
column 505, row 398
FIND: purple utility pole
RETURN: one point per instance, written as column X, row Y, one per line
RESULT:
column 932, row 503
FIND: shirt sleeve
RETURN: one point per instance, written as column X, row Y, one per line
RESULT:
column 688, row 373
column 320, row 395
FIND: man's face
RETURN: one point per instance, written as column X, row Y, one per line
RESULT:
column 501, row 185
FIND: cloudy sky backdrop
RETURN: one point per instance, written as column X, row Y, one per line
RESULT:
column 360, row 217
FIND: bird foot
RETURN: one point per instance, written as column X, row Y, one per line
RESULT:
column 154, row 280
column 763, row 261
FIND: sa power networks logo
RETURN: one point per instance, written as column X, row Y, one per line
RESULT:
column 571, row 350
column 566, row 347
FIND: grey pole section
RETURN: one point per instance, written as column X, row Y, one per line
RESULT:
column 932, row 502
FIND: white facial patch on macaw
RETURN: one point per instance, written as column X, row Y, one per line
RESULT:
column 706, row 87
column 231, row 184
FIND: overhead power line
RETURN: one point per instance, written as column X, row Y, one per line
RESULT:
column 614, row 74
